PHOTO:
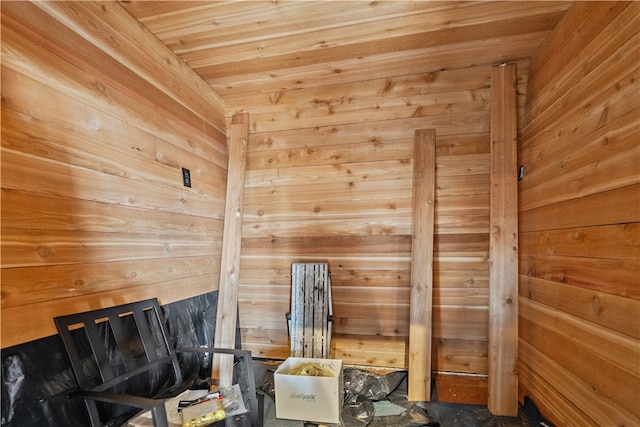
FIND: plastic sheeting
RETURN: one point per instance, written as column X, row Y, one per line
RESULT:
column 361, row 390
column 37, row 376
column 35, row 380
column 372, row 400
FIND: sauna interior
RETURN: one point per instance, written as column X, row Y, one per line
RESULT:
column 298, row 123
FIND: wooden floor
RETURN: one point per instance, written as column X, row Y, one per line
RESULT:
column 461, row 389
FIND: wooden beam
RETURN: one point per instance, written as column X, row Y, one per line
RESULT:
column 226, row 316
column 423, row 206
column 503, row 252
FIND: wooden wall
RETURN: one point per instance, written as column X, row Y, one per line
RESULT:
column 580, row 220
column 98, row 118
column 329, row 178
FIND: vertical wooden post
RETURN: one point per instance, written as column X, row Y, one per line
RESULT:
column 503, row 273
column 423, row 207
column 226, row 317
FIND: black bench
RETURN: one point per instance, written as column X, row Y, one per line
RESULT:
column 124, row 363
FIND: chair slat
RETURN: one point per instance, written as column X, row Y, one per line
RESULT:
column 120, row 334
column 96, row 340
column 142, row 323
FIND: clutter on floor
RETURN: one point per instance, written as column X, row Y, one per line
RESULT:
column 373, row 400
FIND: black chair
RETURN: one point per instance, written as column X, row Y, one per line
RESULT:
column 124, row 363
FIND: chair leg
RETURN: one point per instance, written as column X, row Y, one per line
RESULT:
column 256, row 418
column 159, row 414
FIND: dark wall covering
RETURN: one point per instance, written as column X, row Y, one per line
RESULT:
column 37, row 376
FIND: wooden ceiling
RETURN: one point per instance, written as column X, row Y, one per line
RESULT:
column 242, row 48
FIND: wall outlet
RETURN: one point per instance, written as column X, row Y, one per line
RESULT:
column 186, row 177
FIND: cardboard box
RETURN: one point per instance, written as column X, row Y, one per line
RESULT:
column 309, row 398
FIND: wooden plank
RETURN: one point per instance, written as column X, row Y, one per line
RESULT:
column 25, row 210
column 605, row 347
column 265, row 315
column 385, row 312
column 452, row 56
column 327, row 210
column 333, row 192
column 409, row 86
column 386, row 351
column 394, row 136
column 52, row 179
column 78, row 49
column 445, row 325
column 610, row 173
column 30, row 285
column 611, row 311
column 286, row 154
column 459, row 185
column 226, row 315
column 276, row 56
column 315, row 228
column 569, row 43
column 551, row 403
column 307, row 313
column 555, row 216
column 344, row 263
column 327, row 245
column 461, row 279
column 609, row 48
column 461, row 242
column 344, row 110
column 476, row 120
column 94, row 19
column 360, row 140
column 424, row 198
column 596, row 99
column 318, row 306
column 608, row 391
column 609, row 139
column 34, row 321
column 237, row 22
column 82, row 135
column 373, row 296
column 26, row 248
column 327, row 173
column 460, row 323
column 453, row 355
column 296, row 328
column 618, row 241
column 613, row 276
column 389, row 225
column 320, row 25
column 71, row 102
column 307, row 172
column 503, row 303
